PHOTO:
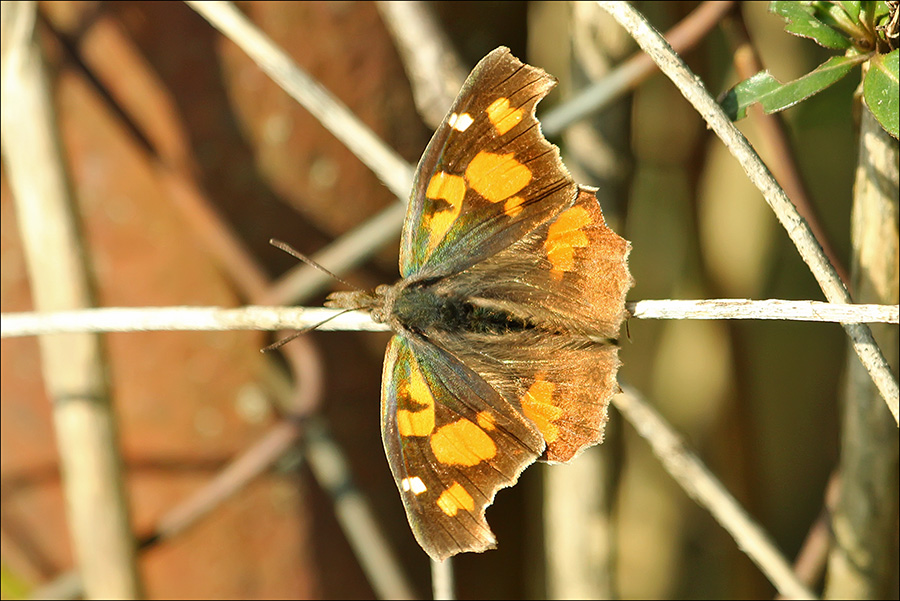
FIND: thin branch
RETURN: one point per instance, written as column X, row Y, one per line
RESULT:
column 691, row 87
column 430, row 60
column 442, row 581
column 763, row 309
column 694, row 477
column 73, row 368
column 210, row 319
column 207, row 319
column 687, row 33
column 387, row 165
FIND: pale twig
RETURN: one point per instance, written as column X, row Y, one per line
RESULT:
column 693, row 476
column 74, row 367
column 431, row 63
column 387, row 165
column 633, row 71
column 729, row 308
column 798, row 230
column 442, row 581
column 207, row 319
column 277, row 318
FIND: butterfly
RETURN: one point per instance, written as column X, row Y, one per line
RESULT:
column 506, row 318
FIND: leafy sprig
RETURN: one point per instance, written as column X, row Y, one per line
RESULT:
column 866, row 32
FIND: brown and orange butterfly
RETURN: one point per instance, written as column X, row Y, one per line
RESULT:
column 507, row 315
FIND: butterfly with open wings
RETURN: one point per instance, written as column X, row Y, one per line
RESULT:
column 506, row 317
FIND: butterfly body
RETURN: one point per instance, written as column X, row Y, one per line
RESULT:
column 506, row 316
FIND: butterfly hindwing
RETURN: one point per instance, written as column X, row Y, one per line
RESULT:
column 488, row 176
column 562, row 386
column 452, row 442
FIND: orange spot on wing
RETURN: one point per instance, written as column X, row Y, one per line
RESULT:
column 502, row 116
column 537, row 405
column 563, row 237
column 455, row 498
column 421, row 422
column 452, row 188
column 486, row 421
column 462, row 443
column 513, row 206
column 497, row 176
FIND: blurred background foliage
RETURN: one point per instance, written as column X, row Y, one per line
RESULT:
column 758, row 401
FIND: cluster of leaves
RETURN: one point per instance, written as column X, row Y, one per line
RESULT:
column 866, row 32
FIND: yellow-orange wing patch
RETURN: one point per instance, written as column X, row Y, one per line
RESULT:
column 497, row 177
column 503, row 116
column 564, row 236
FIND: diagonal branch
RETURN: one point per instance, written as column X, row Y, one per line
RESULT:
column 690, row 86
column 695, row 478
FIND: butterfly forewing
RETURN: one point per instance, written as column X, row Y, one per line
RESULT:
column 452, row 442
column 488, row 176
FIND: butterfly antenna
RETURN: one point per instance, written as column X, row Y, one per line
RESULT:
column 280, row 343
column 299, row 255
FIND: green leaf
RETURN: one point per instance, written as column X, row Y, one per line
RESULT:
column 881, row 88
column 881, row 11
column 833, row 15
column 852, row 9
column 803, row 20
column 879, row 15
column 776, row 96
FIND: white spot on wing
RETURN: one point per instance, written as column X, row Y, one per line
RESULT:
column 413, row 484
column 460, row 122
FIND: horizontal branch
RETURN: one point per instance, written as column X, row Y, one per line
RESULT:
column 297, row 318
column 763, row 309
column 147, row 319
